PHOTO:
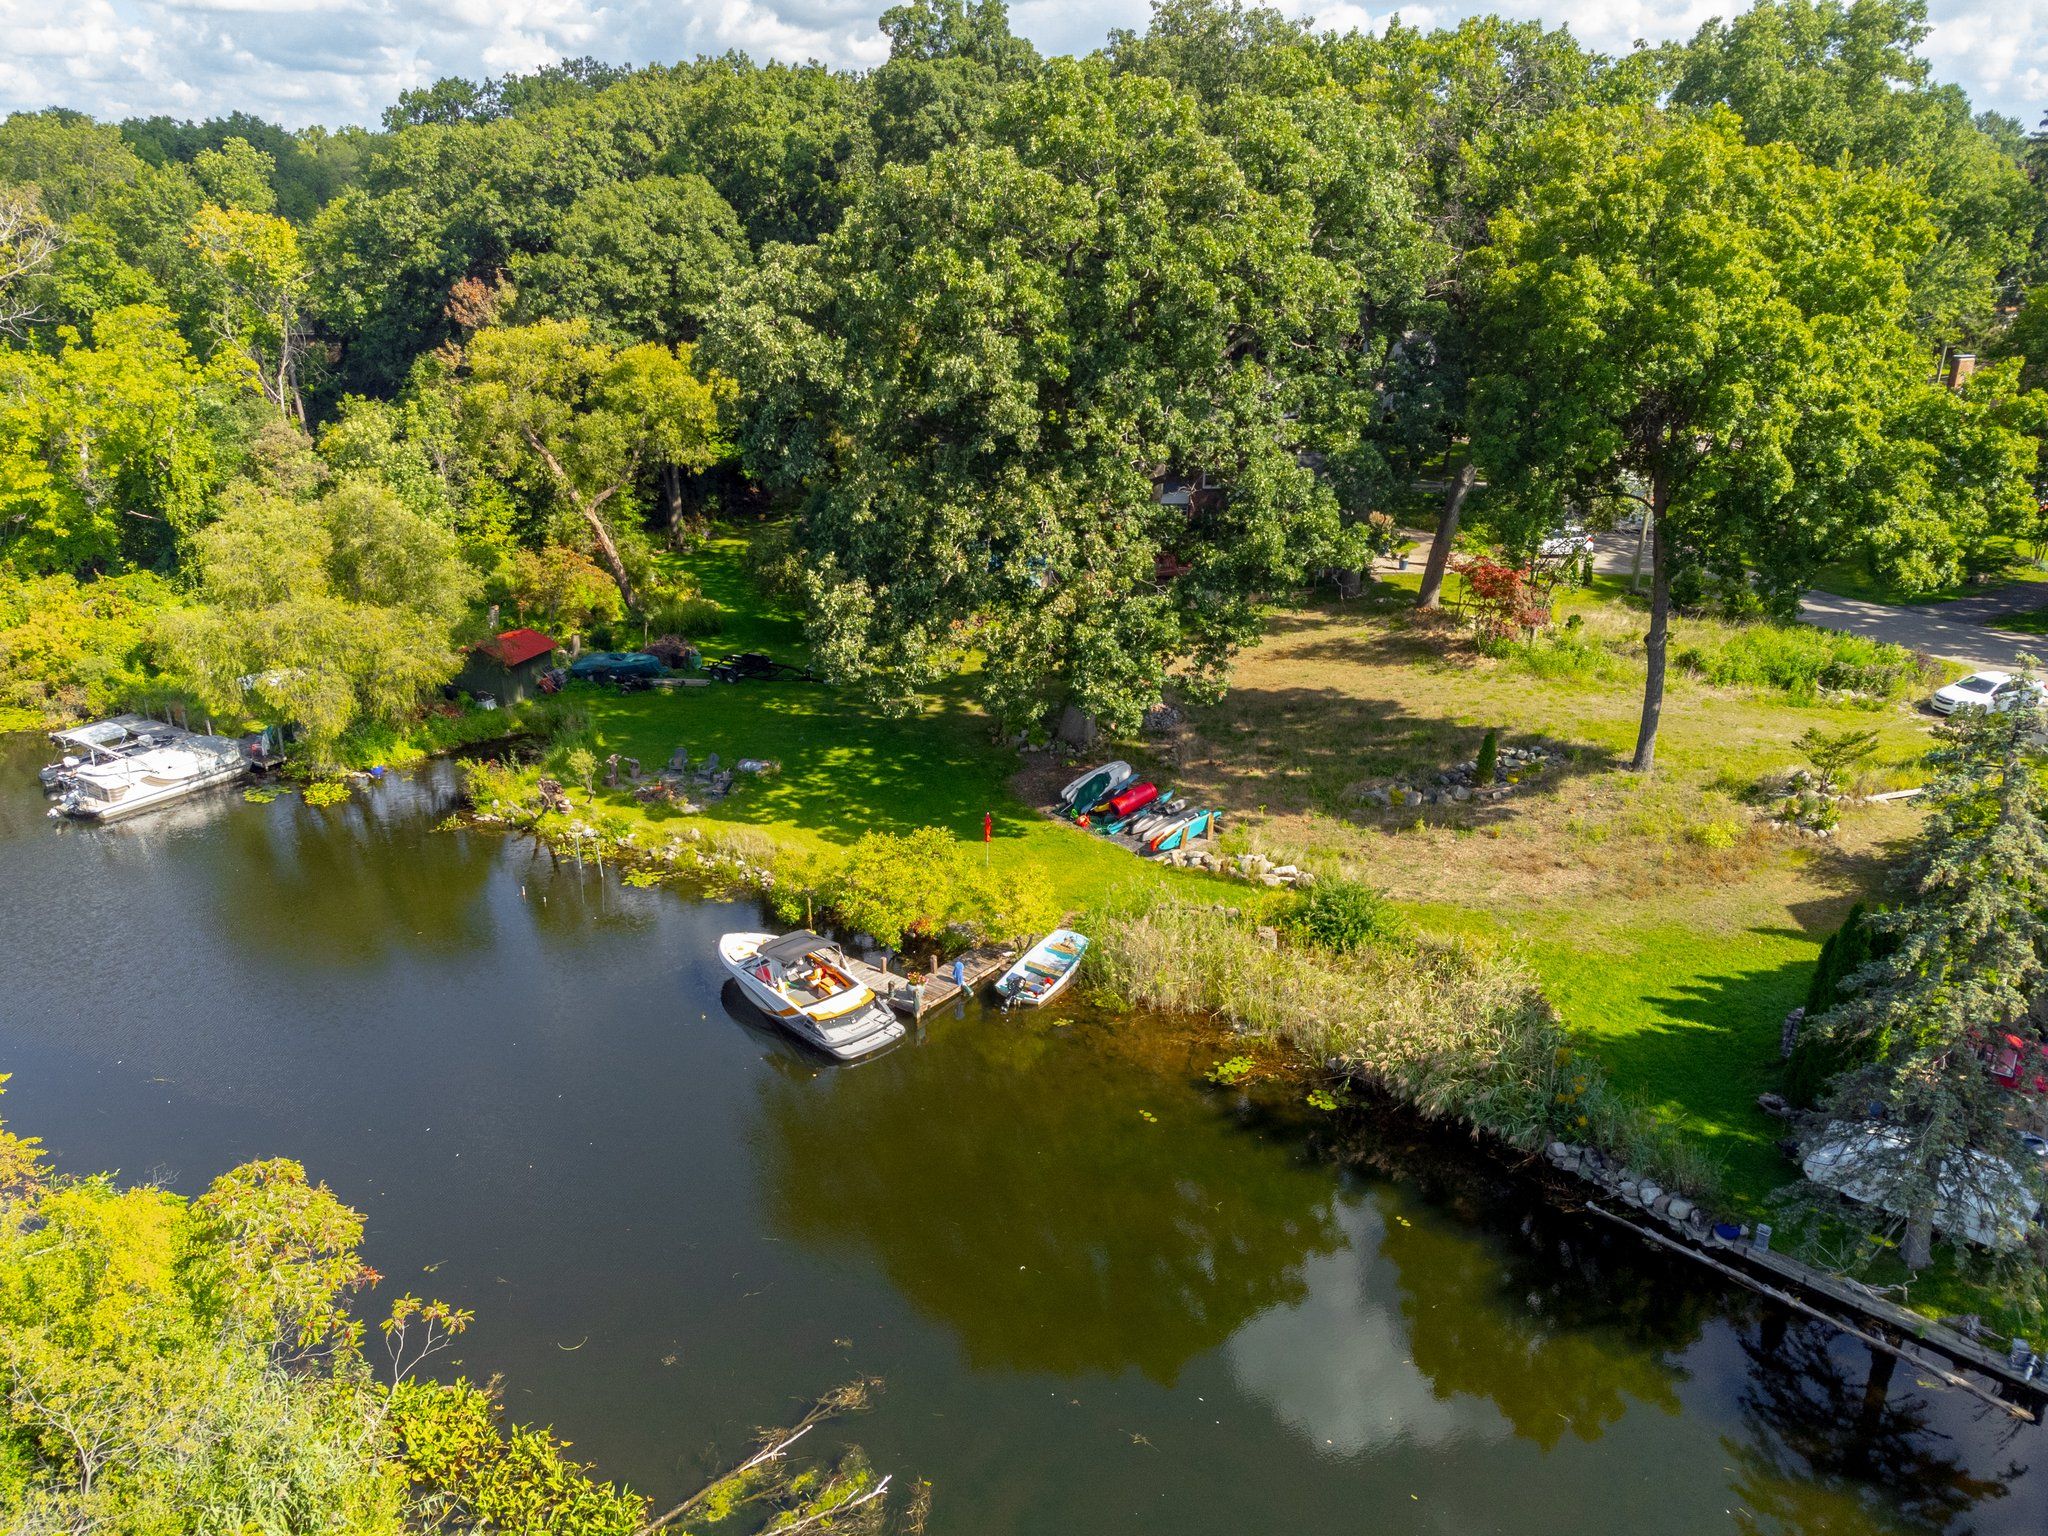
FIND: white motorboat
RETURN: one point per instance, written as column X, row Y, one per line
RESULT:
column 140, row 774
column 803, row 982
column 1044, row 970
column 104, row 741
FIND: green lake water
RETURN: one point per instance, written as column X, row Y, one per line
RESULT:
column 1103, row 1297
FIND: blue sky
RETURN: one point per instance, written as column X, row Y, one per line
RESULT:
column 342, row 61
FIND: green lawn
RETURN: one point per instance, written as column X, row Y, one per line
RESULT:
column 845, row 771
column 1850, row 578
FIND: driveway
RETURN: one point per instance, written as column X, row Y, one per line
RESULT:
column 1955, row 631
column 1962, row 630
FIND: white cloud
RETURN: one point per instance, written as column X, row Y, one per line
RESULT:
column 1335, row 1367
column 336, row 61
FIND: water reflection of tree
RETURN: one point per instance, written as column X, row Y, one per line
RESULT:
column 347, row 884
column 1553, row 1323
column 1831, row 1451
column 1026, row 1204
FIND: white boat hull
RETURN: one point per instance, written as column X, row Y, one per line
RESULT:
column 83, row 808
column 1013, row 986
column 847, row 1035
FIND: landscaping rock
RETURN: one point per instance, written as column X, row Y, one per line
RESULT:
column 1077, row 728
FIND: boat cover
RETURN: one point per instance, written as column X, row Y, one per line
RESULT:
column 791, row 946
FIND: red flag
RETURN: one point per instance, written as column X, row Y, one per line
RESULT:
column 988, row 826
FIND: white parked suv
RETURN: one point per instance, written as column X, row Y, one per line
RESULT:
column 1982, row 690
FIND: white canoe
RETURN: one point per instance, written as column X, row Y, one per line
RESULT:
column 803, row 982
column 1044, row 970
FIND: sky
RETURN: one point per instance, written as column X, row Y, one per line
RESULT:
column 342, row 61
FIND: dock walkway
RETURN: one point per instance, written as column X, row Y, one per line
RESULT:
column 895, row 989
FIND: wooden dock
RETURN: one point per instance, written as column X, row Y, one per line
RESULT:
column 1885, row 1325
column 896, row 989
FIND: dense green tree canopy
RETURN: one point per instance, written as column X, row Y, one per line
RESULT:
column 1846, row 82
column 1066, row 363
column 1717, row 325
column 976, row 378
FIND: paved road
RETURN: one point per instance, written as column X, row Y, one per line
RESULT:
column 1956, row 631
column 1963, row 630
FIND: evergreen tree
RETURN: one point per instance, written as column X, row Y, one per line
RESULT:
column 1969, row 953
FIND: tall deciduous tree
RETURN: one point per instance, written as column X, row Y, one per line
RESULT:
column 110, row 452
column 1466, row 101
column 1847, row 82
column 1673, row 307
column 978, row 376
column 641, row 260
column 28, row 241
column 325, row 612
column 262, row 280
column 578, row 422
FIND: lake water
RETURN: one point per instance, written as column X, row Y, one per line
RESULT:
column 1103, row 1297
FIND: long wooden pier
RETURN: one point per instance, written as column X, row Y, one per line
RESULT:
column 897, row 990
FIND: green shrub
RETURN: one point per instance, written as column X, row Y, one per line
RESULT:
column 71, row 649
column 1563, row 655
column 1717, row 836
column 912, row 887
column 1341, row 916
column 1489, row 758
column 1802, row 661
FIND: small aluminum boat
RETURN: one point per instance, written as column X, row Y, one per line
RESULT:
column 1044, row 970
column 803, row 982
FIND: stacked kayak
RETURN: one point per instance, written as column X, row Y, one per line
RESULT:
column 1151, row 820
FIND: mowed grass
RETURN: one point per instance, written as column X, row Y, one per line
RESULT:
column 844, row 769
column 1851, row 578
column 1672, row 928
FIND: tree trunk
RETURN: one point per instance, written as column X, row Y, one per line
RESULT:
column 1658, row 640
column 1446, row 531
column 588, row 508
column 1635, row 579
column 1916, row 1247
column 610, row 551
column 670, row 478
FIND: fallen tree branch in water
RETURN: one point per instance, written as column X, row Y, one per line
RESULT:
column 851, row 1398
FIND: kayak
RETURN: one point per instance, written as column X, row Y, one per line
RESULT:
column 1044, row 971
column 1128, row 802
column 1096, row 785
column 1180, row 831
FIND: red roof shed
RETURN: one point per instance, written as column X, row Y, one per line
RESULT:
column 517, row 645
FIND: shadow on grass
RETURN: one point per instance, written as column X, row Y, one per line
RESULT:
column 1316, row 745
column 843, row 770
